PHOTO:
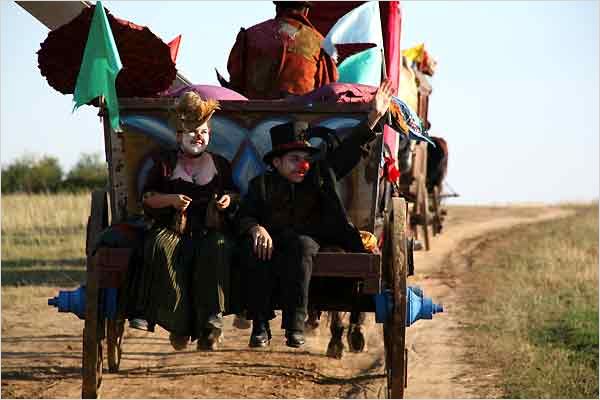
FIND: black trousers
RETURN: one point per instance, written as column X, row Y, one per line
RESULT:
column 288, row 272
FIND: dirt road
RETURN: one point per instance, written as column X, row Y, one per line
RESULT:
column 41, row 349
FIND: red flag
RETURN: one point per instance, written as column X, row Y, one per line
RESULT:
column 174, row 46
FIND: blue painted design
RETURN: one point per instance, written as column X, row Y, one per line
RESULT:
column 339, row 122
column 143, row 172
column 342, row 125
column 260, row 136
column 246, row 166
column 155, row 128
column 73, row 301
column 243, row 148
column 226, row 137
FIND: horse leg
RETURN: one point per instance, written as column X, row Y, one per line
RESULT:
column 313, row 321
column 356, row 332
column 335, row 349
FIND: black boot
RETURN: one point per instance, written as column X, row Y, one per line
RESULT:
column 295, row 338
column 209, row 339
column 261, row 334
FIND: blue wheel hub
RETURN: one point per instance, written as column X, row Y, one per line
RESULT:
column 417, row 306
column 73, row 301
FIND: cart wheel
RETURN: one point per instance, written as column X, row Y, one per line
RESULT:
column 93, row 332
column 419, row 219
column 114, row 343
column 395, row 327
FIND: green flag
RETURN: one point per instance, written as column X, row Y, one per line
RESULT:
column 99, row 67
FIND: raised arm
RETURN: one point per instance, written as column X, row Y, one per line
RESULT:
column 348, row 153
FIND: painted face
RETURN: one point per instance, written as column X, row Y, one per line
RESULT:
column 194, row 142
column 293, row 165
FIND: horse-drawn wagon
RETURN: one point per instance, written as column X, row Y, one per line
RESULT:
column 423, row 165
column 374, row 282
column 340, row 282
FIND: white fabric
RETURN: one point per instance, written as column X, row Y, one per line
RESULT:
column 361, row 25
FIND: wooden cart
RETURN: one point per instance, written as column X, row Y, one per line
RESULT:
column 341, row 281
column 415, row 91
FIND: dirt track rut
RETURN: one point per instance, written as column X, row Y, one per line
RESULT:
column 41, row 349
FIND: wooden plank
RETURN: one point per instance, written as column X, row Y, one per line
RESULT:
column 371, row 286
column 346, row 265
column 117, row 172
column 270, row 106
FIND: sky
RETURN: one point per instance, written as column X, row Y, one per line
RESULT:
column 515, row 94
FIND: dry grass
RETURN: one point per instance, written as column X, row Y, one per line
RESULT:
column 458, row 214
column 533, row 309
column 43, row 238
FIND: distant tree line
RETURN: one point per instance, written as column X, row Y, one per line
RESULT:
column 35, row 174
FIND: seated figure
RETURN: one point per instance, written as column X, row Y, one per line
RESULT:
column 291, row 211
column 183, row 285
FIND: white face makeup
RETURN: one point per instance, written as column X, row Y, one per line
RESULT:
column 194, row 142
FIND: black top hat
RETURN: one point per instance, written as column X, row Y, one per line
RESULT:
column 284, row 138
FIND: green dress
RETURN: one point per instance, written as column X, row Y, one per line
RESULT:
column 184, row 284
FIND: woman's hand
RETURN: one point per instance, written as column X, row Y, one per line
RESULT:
column 161, row 200
column 263, row 244
column 224, row 202
column 380, row 103
column 179, row 201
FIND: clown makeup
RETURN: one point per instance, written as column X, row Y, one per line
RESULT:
column 194, row 142
column 293, row 165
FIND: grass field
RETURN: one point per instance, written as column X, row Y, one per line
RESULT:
column 534, row 307
column 43, row 239
column 531, row 316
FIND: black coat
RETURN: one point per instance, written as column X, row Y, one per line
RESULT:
column 312, row 207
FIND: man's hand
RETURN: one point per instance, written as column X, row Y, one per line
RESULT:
column 224, row 202
column 179, row 201
column 263, row 244
column 380, row 103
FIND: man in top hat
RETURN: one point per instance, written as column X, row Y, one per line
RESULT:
column 293, row 209
column 280, row 56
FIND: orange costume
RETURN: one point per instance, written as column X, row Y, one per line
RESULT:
column 279, row 57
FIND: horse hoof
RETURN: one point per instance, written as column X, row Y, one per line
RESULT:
column 240, row 322
column 335, row 349
column 356, row 340
column 311, row 327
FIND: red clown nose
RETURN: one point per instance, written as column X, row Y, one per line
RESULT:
column 304, row 166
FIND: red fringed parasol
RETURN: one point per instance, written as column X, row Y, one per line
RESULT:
column 147, row 64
